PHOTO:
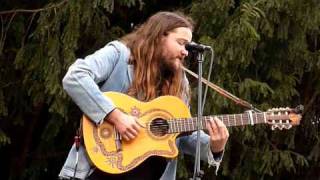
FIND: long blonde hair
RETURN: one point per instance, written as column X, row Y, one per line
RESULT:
column 144, row 43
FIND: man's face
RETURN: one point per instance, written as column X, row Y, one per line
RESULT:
column 173, row 48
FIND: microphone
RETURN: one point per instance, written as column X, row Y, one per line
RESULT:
column 192, row 46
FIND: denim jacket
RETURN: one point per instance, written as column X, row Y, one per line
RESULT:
column 108, row 70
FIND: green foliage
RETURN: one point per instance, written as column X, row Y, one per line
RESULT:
column 266, row 52
column 4, row 139
column 36, row 51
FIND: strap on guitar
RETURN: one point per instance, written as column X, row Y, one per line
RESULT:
column 222, row 92
column 78, row 139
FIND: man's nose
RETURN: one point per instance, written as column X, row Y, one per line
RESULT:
column 184, row 52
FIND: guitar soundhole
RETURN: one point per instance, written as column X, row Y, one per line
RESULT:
column 159, row 127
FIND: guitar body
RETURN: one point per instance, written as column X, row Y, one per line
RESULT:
column 100, row 140
column 161, row 121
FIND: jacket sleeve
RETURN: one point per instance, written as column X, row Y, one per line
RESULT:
column 188, row 145
column 81, row 82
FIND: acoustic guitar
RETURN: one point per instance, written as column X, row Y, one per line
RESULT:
column 161, row 121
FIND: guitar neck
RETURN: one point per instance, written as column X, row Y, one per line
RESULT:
column 190, row 124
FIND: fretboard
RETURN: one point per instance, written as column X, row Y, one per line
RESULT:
column 190, row 124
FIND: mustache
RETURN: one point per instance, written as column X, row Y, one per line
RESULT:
column 170, row 67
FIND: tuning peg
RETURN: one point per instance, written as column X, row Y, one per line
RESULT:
column 281, row 127
column 273, row 110
column 299, row 109
column 288, row 126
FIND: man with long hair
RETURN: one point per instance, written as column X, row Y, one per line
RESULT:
column 144, row 64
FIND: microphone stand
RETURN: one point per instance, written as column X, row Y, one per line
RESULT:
column 198, row 173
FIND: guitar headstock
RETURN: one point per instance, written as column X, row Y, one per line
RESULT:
column 284, row 118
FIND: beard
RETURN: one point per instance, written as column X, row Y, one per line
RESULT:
column 171, row 66
column 170, row 71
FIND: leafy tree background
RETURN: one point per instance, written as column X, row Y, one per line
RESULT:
column 266, row 52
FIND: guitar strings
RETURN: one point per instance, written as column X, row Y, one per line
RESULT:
column 187, row 124
column 184, row 123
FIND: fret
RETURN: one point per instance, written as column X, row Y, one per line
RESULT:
column 256, row 117
column 204, row 122
column 235, row 122
column 208, row 119
column 195, row 123
column 170, row 127
column 201, row 124
column 250, row 119
column 224, row 119
column 237, row 118
column 177, row 126
column 241, row 118
column 174, row 125
column 192, row 124
column 264, row 117
column 260, row 118
column 186, row 124
column 183, row 126
column 228, row 120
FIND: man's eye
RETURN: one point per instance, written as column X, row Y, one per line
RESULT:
column 181, row 43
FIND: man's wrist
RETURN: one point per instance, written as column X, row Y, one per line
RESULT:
column 217, row 154
column 110, row 116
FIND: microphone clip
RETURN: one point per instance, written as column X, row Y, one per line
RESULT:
column 195, row 47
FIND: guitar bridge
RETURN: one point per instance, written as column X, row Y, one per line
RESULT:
column 117, row 140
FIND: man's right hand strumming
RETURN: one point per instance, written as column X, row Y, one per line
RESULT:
column 125, row 124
